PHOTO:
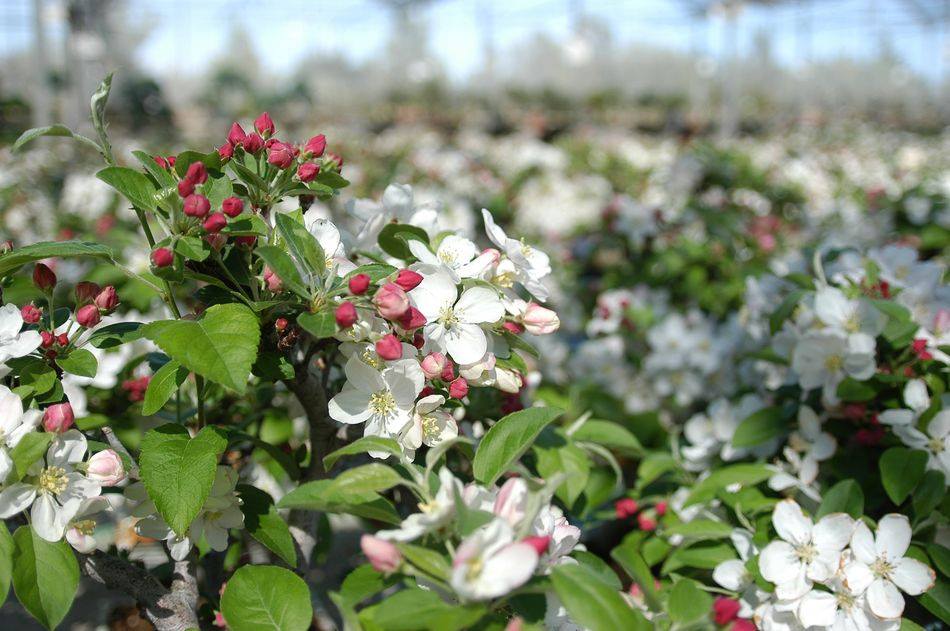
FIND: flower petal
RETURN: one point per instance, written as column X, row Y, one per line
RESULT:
column 818, row 609
column 912, row 576
column 790, row 523
column 885, row 600
column 893, row 536
column 862, row 544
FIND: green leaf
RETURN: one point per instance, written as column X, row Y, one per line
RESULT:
column 362, row 446
column 901, row 470
column 45, row 576
column 368, row 478
column 265, row 524
column 417, row 609
column 844, row 497
column 332, row 179
column 221, row 345
column 193, row 248
column 375, row 271
column 246, row 225
column 929, row 494
column 18, row 257
column 97, row 104
column 362, row 583
column 429, row 561
column 633, row 564
column 851, row 390
column 508, row 440
column 394, row 236
column 705, row 556
column 785, row 310
column 320, row 325
column 321, row 495
column 79, row 362
column 744, row 473
column 937, row 600
column 178, row 471
column 266, row 597
column 52, row 130
column 30, row 449
column 6, row 562
column 568, row 459
column 688, row 603
column 116, row 334
column 940, row 556
column 164, row 177
column 303, row 245
column 759, row 427
column 281, row 264
column 37, row 375
column 599, row 567
column 218, row 190
column 609, row 434
column 162, row 386
column 700, row 529
column 593, row 604
column 133, row 185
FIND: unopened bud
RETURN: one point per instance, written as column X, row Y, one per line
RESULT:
column 86, row 292
column 391, row 301
column 345, row 315
column 88, row 316
column 106, row 468
column 316, row 145
column 408, row 279
column 540, row 543
column 58, row 417
column 197, row 172
column 43, row 277
column 389, row 347
column 197, row 205
column 539, row 320
column 232, row 206
column 215, row 222
column 253, row 143
column 107, row 299
column 31, row 314
column 383, row 555
column 307, row 171
column 432, row 365
column 236, row 135
column 264, row 125
column 458, row 389
column 359, row 284
column 162, row 257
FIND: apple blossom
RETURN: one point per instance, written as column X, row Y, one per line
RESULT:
column 383, row 555
column 106, row 468
column 14, row 424
column 58, row 418
column 490, row 563
column 232, row 206
column 391, row 301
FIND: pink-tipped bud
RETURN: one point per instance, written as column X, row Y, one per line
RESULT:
column 307, row 171
column 359, row 284
column 160, row 161
column 432, row 365
column 540, row 543
column 273, row 281
column 725, row 610
column 335, row 159
column 264, row 125
column 197, row 172
column 646, row 523
column 86, row 292
column 107, row 299
column 47, row 339
column 280, row 324
column 408, row 279
column 743, row 624
column 185, row 188
column 412, row 319
column 281, row 155
column 383, row 555
column 171, row 161
column 540, row 320
column 197, row 205
column 253, row 143
column 215, row 222
column 162, row 257
column 226, row 152
column 316, row 145
column 345, row 315
column 494, row 255
column 246, row 241
column 458, row 389
column 106, row 468
column 232, row 206
column 88, row 316
column 626, row 507
column 63, row 340
column 660, row 508
column 43, row 277
column 448, row 372
column 30, row 313
column 58, row 418
column 513, row 327
column 236, row 135
column 391, row 301
column 389, row 347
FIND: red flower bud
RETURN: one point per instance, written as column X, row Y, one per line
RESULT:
column 661, row 508
column 162, row 257
column 88, row 316
column 185, row 187
column 247, row 241
column 281, row 155
column 197, row 205
column 253, row 143
column 433, row 364
column 160, row 161
column 645, row 523
column 171, row 161
column 232, row 206
column 31, row 314
column 236, row 135
column 625, row 507
column 307, row 171
column 513, row 327
column 345, row 315
column 539, row 543
column 316, row 146
column 392, row 301
column 359, row 284
column 46, row 339
column 264, row 125
column 448, row 371
column 408, row 279
column 215, row 222
column 280, row 324
column 725, row 610
column 58, row 418
column 197, row 172
column 335, row 159
column 389, row 348
column 62, row 339
column 107, row 299
column 272, row 280
column 86, row 292
column 43, row 277
column 458, row 388
column 412, row 319
column 226, row 152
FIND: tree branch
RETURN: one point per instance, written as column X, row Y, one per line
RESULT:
column 168, row 609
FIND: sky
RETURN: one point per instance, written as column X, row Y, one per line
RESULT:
column 183, row 35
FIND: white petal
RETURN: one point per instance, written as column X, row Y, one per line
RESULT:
column 16, row 498
column 466, row 343
column 912, row 576
column 433, row 294
column 862, row 544
column 479, row 305
column 790, row 523
column 893, row 536
column 778, row 562
column 731, row 574
column 67, row 448
column 494, row 232
column 833, row 532
column 896, row 417
column 350, row 406
column 48, row 518
column 916, row 396
column 857, row 576
column 818, row 609
column 885, row 600
column 508, row 569
column 362, row 376
column 422, row 252
column 11, row 321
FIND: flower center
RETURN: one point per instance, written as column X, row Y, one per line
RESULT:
column 806, row 553
column 881, row 568
column 833, row 363
column 382, row 403
column 474, row 568
column 935, row 445
column 901, row 271
column 370, row 358
column 430, row 426
column 853, row 323
column 428, row 507
column 85, row 526
column 525, row 248
column 449, row 257
column 845, row 600
column 504, row 280
column 53, row 480
column 447, row 317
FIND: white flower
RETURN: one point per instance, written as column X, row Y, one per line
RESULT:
column 530, row 264
column 936, row 442
column 455, row 254
column 840, row 610
column 13, row 343
column 734, row 575
column 53, row 487
column 81, row 530
column 916, row 398
column 220, row 512
column 383, row 400
column 490, row 563
column 824, row 358
column 806, row 553
column 433, row 514
column 14, row 425
column 879, row 567
column 812, row 444
column 328, row 236
column 898, row 265
column 847, row 316
column 453, row 326
column 430, row 425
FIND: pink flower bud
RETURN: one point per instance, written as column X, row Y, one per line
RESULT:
column 185, row 188
column 515, row 624
column 743, row 624
column 725, row 610
column 391, row 301
column 432, row 365
column 281, row 155
column 458, row 389
column 448, row 373
column 88, row 316
column 513, row 327
column 645, row 522
column 62, row 339
column 160, row 161
column 197, row 172
column 412, row 319
column 307, row 171
column 495, row 255
column 539, row 320
column 46, row 339
column 171, row 161
column 408, row 279
column 264, row 125
column 389, row 347
column 335, row 159
column 359, row 284
column 626, row 507
column 345, row 315
column 253, row 143
column 107, row 299
column 215, row 222
column 273, row 281
column 383, row 555
column 86, row 292
column 280, row 324
column 162, row 257
column 660, row 508
column 539, row 543
column 197, row 205
column 31, row 314
column 226, row 152
column 58, row 418
column 512, row 501
column 106, row 468
column 236, row 135
column 43, row 277
column 316, row 146
column 232, row 206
